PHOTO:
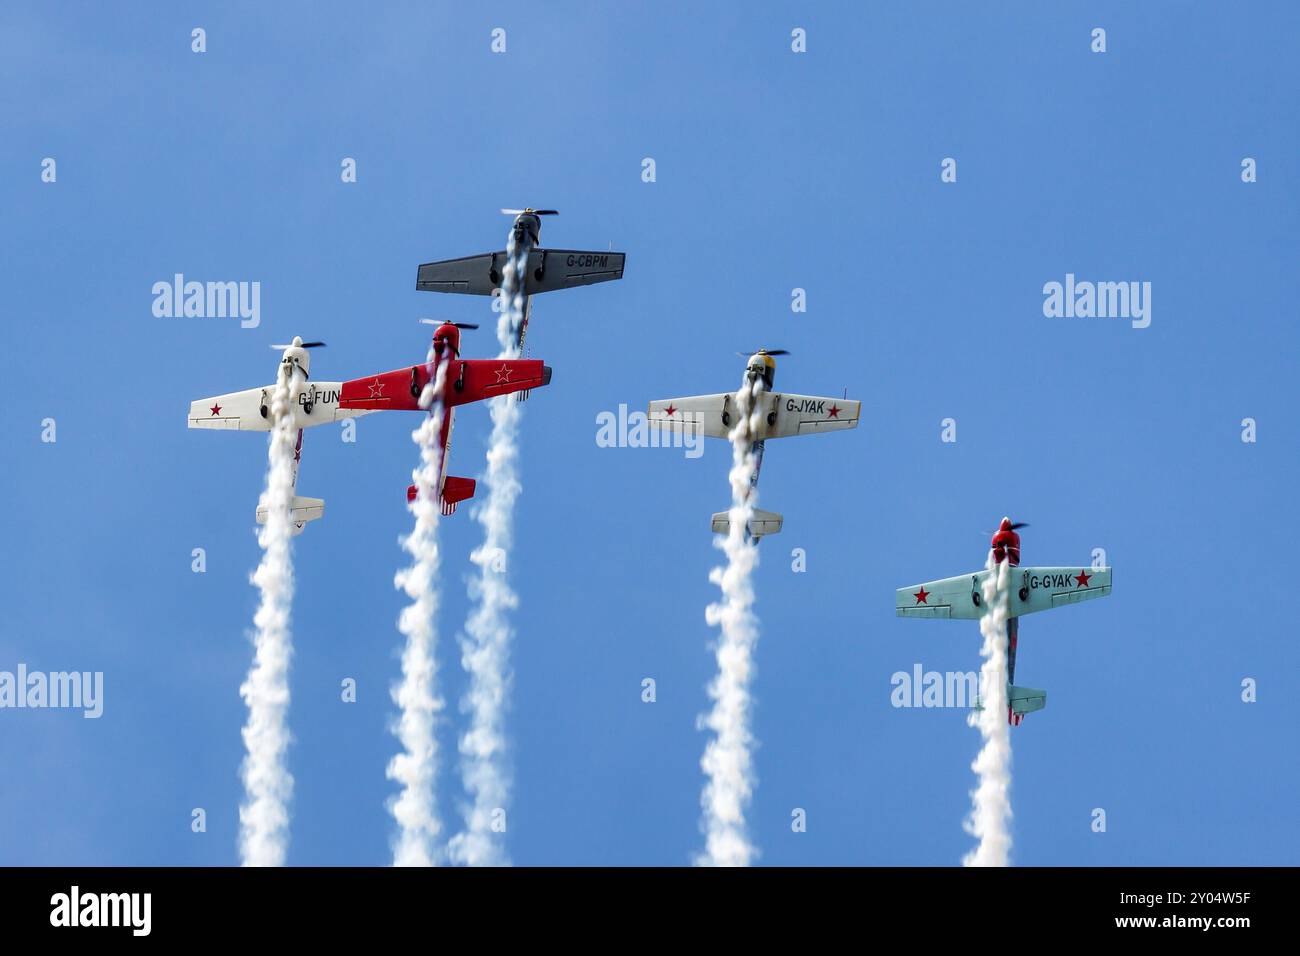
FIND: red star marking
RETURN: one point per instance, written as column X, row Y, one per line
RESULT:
column 835, row 411
column 1082, row 579
column 503, row 373
column 670, row 409
column 921, row 596
column 216, row 410
column 376, row 388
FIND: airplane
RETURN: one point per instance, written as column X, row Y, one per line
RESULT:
column 467, row 380
column 547, row 269
column 781, row 416
column 316, row 403
column 1032, row 589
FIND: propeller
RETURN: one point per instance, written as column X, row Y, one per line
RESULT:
column 1016, row 526
column 459, row 325
column 763, row 352
column 298, row 343
column 531, row 212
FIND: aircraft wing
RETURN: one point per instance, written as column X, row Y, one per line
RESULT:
column 472, row 275
column 237, row 411
column 468, row 380
column 550, row 269
column 709, row 415
column 780, row 415
column 789, row 415
column 242, row 411
column 477, row 379
column 1032, row 589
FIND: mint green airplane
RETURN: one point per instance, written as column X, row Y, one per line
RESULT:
column 1032, row 589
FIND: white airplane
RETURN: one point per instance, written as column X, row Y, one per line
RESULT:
column 316, row 403
column 779, row 416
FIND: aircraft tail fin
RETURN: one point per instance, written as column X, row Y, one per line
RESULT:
column 454, row 491
column 301, row 510
column 761, row 524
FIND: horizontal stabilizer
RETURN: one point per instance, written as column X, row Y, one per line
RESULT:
column 762, row 523
column 301, row 510
column 454, row 491
column 1026, row 700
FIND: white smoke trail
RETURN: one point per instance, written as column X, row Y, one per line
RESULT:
column 268, row 785
column 990, row 816
column 727, row 760
column 416, row 767
column 485, row 648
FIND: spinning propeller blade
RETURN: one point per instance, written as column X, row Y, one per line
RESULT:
column 459, row 325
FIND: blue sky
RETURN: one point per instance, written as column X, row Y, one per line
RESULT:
column 775, row 170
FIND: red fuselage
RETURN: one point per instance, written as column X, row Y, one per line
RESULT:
column 446, row 346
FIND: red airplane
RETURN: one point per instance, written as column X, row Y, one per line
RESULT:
column 467, row 380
